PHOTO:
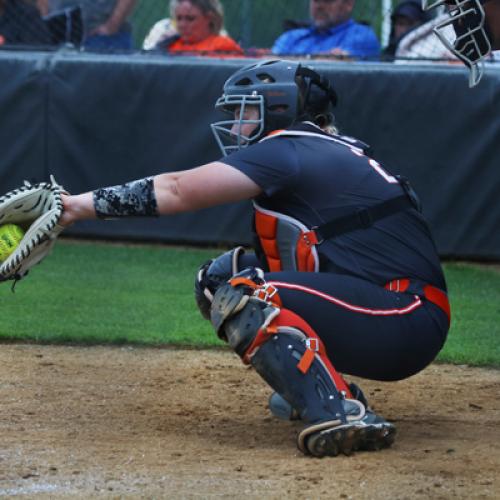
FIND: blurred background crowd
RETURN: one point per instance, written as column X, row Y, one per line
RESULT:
column 338, row 29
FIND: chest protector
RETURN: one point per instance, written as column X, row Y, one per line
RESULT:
column 284, row 242
column 288, row 245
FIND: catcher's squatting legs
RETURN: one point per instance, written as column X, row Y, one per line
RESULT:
column 291, row 358
column 133, row 199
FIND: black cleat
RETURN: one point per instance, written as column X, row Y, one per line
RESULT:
column 348, row 438
column 364, row 430
column 331, row 442
column 377, row 437
column 368, row 433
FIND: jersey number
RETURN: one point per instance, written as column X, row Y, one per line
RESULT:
column 376, row 166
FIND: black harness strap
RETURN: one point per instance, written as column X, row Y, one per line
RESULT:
column 363, row 218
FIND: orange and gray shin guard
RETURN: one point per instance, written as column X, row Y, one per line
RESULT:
column 291, row 358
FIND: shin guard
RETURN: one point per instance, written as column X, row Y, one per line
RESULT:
column 282, row 347
column 294, row 363
column 289, row 356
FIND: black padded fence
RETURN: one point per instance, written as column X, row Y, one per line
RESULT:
column 94, row 120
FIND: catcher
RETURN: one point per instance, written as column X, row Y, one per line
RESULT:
column 345, row 278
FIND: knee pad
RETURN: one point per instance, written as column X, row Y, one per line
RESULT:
column 213, row 274
column 238, row 315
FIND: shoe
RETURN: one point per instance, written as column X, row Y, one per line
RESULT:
column 364, row 431
column 358, row 394
column 281, row 408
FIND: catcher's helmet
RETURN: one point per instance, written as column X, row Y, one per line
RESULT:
column 473, row 42
column 284, row 92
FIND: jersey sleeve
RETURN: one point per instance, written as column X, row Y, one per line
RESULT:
column 273, row 164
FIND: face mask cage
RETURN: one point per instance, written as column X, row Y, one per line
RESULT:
column 472, row 44
column 229, row 141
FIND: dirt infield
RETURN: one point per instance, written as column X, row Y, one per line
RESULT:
column 163, row 423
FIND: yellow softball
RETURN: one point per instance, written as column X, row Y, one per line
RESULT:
column 10, row 236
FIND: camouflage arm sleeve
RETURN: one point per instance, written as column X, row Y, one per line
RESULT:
column 133, row 199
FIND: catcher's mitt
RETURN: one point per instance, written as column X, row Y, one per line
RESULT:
column 37, row 208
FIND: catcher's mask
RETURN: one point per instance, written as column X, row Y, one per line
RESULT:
column 472, row 43
column 283, row 91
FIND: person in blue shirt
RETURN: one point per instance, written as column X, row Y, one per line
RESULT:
column 333, row 31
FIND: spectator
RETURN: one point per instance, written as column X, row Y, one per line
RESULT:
column 21, row 24
column 105, row 21
column 195, row 27
column 333, row 31
column 407, row 16
column 422, row 42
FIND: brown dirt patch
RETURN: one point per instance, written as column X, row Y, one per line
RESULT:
column 149, row 423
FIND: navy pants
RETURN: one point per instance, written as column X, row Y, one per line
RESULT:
column 368, row 331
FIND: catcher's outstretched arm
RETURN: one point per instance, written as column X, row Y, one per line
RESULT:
column 206, row 186
column 209, row 185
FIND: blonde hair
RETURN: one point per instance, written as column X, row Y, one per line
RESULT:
column 213, row 7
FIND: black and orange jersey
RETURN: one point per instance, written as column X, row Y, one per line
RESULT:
column 315, row 177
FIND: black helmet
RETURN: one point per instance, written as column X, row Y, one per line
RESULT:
column 283, row 91
column 472, row 43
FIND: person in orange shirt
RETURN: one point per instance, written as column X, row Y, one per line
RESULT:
column 198, row 25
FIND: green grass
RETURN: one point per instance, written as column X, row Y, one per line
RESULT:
column 143, row 294
column 474, row 337
column 101, row 293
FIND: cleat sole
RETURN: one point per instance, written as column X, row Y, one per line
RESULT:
column 377, row 437
column 348, row 438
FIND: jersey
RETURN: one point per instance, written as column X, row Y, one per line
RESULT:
column 315, row 177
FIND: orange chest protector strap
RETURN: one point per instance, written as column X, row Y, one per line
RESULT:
column 285, row 242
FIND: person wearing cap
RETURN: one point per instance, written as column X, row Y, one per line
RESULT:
column 407, row 16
